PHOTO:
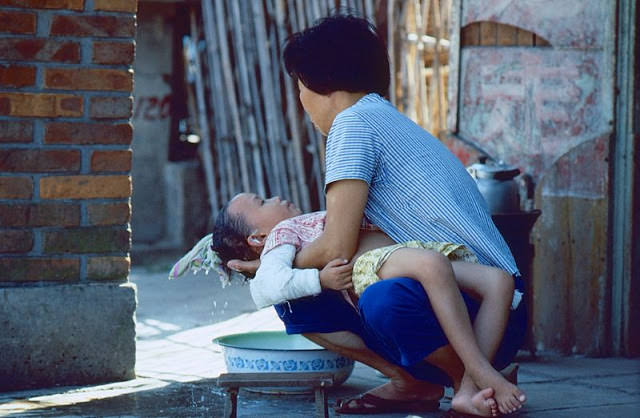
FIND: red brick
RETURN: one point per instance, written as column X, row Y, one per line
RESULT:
column 110, row 107
column 38, row 161
column 109, row 213
column 14, row 22
column 85, row 187
column 15, row 241
column 17, row 76
column 113, row 53
column 38, row 49
column 99, row 26
column 16, row 188
column 40, row 269
column 86, row 240
column 45, row 4
column 44, row 105
column 116, row 5
column 88, row 79
column 16, row 131
column 88, row 133
column 111, row 161
column 46, row 214
column 108, row 268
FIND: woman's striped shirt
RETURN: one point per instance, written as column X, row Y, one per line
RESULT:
column 418, row 190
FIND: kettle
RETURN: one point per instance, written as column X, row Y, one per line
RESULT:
column 496, row 183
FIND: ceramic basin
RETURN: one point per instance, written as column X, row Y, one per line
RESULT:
column 277, row 352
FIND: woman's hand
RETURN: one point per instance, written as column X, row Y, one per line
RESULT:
column 248, row 268
column 336, row 275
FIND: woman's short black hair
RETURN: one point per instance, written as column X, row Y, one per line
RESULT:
column 339, row 53
column 229, row 237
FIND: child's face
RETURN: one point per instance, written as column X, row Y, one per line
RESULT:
column 262, row 214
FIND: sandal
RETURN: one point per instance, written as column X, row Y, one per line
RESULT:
column 371, row 404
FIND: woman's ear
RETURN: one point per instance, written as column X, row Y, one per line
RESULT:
column 256, row 240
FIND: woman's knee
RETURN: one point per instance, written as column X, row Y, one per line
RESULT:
column 382, row 302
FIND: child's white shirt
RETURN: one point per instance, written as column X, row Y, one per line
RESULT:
column 276, row 281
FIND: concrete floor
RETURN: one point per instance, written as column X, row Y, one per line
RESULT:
column 177, row 365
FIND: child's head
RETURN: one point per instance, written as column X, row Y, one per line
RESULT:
column 244, row 222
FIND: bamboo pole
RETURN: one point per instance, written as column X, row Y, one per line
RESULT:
column 369, row 11
column 203, row 122
column 245, row 98
column 219, row 109
column 419, row 63
column 391, row 49
column 302, row 21
column 308, row 12
column 291, row 192
column 424, row 27
column 292, row 100
column 263, row 140
column 314, row 146
column 292, row 12
column 410, row 62
column 268, row 95
column 403, row 105
column 266, row 109
column 329, row 7
column 317, row 14
column 436, row 66
column 229, row 85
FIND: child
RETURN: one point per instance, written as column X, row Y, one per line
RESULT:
column 249, row 227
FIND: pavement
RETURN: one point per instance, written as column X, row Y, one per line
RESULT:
column 177, row 364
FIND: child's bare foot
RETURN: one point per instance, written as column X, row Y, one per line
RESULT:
column 479, row 403
column 507, row 395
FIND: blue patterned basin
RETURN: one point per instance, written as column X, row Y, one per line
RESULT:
column 275, row 351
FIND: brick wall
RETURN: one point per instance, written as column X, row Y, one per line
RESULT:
column 65, row 160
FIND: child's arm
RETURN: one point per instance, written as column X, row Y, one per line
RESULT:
column 276, row 281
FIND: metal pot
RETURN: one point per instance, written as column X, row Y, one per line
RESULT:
column 497, row 185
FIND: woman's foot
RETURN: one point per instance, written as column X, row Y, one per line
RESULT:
column 408, row 389
column 396, row 396
column 480, row 403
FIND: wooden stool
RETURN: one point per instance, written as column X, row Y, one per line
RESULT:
column 234, row 381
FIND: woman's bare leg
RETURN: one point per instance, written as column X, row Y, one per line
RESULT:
column 402, row 385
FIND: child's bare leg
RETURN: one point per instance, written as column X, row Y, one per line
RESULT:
column 496, row 293
column 435, row 273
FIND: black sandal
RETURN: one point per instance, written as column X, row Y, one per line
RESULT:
column 367, row 403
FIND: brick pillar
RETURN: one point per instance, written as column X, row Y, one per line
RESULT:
column 67, row 310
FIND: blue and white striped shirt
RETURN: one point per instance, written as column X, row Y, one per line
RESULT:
column 417, row 188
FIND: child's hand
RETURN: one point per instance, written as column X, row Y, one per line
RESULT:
column 336, row 275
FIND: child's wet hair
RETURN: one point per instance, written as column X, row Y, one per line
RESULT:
column 229, row 237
